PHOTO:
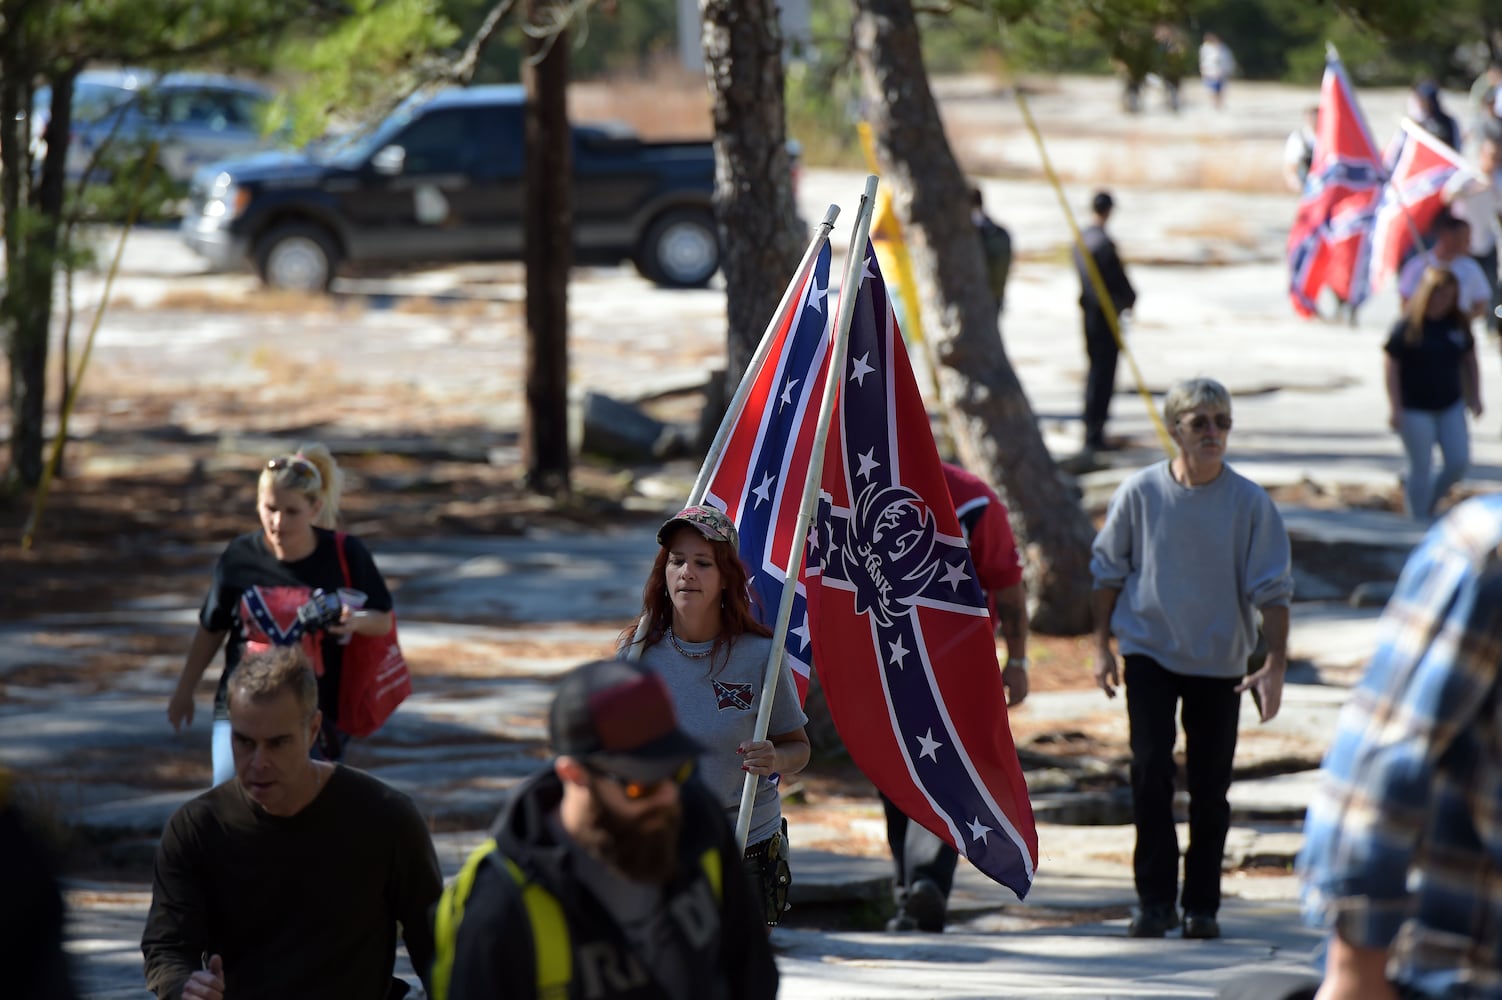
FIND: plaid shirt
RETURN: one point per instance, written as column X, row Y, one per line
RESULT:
column 1403, row 840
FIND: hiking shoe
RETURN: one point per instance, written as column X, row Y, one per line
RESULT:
column 925, row 904
column 1153, row 922
column 901, row 924
column 1203, row 926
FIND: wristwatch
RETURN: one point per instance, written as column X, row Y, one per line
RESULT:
column 1018, row 661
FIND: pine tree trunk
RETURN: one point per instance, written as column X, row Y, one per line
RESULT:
column 31, row 241
column 548, row 228
column 995, row 431
column 754, row 204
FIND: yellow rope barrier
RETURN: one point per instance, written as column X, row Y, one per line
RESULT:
column 1096, row 281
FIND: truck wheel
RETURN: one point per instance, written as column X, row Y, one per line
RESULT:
column 681, row 249
column 297, row 256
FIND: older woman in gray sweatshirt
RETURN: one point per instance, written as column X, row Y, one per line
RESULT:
column 1189, row 552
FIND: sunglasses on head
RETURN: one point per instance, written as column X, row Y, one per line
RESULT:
column 1200, row 423
column 635, row 790
column 299, row 467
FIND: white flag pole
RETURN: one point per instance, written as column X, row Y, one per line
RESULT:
column 849, row 291
column 738, row 401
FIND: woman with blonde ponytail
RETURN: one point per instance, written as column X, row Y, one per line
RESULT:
column 296, row 581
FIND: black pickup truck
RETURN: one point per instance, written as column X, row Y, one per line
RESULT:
column 441, row 179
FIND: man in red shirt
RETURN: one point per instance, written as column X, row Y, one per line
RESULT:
column 926, row 864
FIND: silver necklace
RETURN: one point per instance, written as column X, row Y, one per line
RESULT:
column 683, row 652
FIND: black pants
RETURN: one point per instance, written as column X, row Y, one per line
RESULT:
column 918, row 853
column 1100, row 383
column 1209, row 715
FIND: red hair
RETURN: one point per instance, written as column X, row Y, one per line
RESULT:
column 736, row 616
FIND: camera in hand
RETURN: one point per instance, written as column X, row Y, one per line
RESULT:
column 321, row 610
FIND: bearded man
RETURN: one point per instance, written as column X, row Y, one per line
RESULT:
column 610, row 875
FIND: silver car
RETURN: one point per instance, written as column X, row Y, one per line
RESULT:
column 195, row 118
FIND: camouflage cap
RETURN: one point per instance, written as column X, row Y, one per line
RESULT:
column 710, row 522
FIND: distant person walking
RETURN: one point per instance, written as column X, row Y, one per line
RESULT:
column 1478, row 200
column 996, row 244
column 1429, row 111
column 262, row 596
column 1432, row 378
column 1216, row 66
column 1451, row 237
column 1100, row 340
column 1298, row 151
column 1189, row 553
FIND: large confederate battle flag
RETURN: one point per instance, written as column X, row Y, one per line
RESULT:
column 759, row 477
column 1328, row 244
column 901, row 634
column 1419, row 167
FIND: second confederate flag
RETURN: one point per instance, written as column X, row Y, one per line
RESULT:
column 1328, row 243
column 902, row 638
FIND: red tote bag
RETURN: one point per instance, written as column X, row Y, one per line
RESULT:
column 374, row 678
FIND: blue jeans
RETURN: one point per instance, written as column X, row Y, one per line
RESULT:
column 224, row 756
column 1421, row 430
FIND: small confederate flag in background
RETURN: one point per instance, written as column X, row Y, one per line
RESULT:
column 901, row 633
column 1328, row 243
column 1419, row 168
column 759, row 477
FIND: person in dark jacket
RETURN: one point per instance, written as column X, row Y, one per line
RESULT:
column 31, row 908
column 1100, row 342
column 1431, row 114
column 610, row 875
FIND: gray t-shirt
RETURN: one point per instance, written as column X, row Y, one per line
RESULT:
column 717, row 706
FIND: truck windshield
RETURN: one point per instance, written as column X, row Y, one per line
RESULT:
column 352, row 148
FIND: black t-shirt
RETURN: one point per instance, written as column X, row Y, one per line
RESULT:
column 298, row 906
column 1429, row 371
column 254, row 596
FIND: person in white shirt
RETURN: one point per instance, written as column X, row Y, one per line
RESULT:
column 1298, row 151
column 1452, row 238
column 1216, row 66
column 1477, row 198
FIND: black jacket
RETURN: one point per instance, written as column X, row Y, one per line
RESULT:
column 494, row 953
column 1112, row 272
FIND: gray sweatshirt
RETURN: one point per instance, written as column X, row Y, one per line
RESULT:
column 1192, row 565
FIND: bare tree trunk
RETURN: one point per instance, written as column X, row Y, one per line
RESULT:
column 753, row 173
column 31, row 241
column 994, row 428
column 549, row 254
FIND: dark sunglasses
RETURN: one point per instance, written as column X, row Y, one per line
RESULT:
column 635, row 790
column 300, row 468
column 1201, row 423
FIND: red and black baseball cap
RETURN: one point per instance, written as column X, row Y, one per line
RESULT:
column 619, row 717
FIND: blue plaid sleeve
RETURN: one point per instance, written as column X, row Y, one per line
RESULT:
column 1382, row 782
